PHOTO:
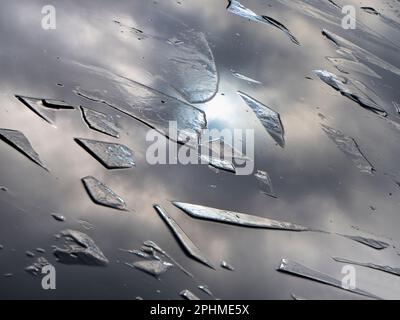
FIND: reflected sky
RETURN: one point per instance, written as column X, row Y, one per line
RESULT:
column 316, row 184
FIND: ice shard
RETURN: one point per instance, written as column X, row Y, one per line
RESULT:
column 375, row 244
column 182, row 237
column 102, row 194
column 218, row 163
column 82, row 250
column 111, row 155
column 244, row 78
column 56, row 104
column 235, row 218
column 152, row 267
column 100, row 122
column 58, row 217
column 36, row 105
column 349, row 147
column 294, row 268
column 354, row 90
column 227, row 266
column 237, row 8
column 188, row 295
column 18, row 140
column 36, row 268
column 269, row 118
column 387, row 269
column 265, row 183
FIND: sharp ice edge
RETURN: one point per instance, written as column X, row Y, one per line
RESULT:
column 183, row 239
column 82, row 251
column 152, row 267
column 58, row 217
column 18, row 140
column 245, row 78
column 350, row 147
column 217, row 163
column 344, row 65
column 265, row 183
column 269, row 118
column 219, row 148
column 36, row 268
column 36, row 105
column 111, row 155
column 237, row 8
column 188, row 295
column 100, row 122
column 351, row 89
column 375, row 244
column 102, row 194
column 294, row 268
column 388, row 269
column 230, row 217
column 227, row 266
column 56, row 104
column 205, row 289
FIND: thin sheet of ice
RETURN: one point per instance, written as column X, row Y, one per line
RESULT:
column 152, row 267
column 265, row 183
column 101, row 122
column 354, row 90
column 18, row 140
column 245, row 78
column 237, row 8
column 375, row 244
column 269, row 118
column 36, row 105
column 182, row 237
column 297, row 269
column 82, row 250
column 388, row 269
column 227, row 266
column 219, row 148
column 102, row 194
column 230, row 217
column 350, row 147
column 218, row 163
column 188, row 295
column 111, row 155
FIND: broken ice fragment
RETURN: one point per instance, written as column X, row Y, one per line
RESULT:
column 354, row 90
column 205, row 289
column 297, row 269
column 227, row 266
column 83, row 250
column 152, row 267
column 36, row 268
column 388, row 269
column 344, row 65
column 111, row 155
column 56, row 104
column 237, row 8
column 36, row 105
column 350, row 147
column 269, row 118
column 245, row 78
column 103, row 195
column 230, row 217
column 296, row 297
column 265, row 183
column 58, row 217
column 18, row 140
column 183, row 239
column 100, row 121
column 218, row 163
column 188, row 295
column 375, row 244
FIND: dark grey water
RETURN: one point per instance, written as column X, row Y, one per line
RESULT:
column 139, row 64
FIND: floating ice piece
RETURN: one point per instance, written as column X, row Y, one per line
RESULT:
column 205, row 289
column 265, row 183
column 269, row 118
column 36, row 105
column 157, row 248
column 376, row 244
column 188, row 295
column 111, row 155
column 218, row 163
column 100, row 121
column 237, row 8
column 227, row 266
column 103, row 195
column 388, row 269
column 297, row 269
column 344, row 65
column 36, row 268
column 221, row 149
column 235, row 218
column 354, row 90
column 350, row 147
column 153, row 267
column 18, row 140
column 359, row 52
column 245, row 78
column 183, row 239
column 82, row 251
column 58, row 217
